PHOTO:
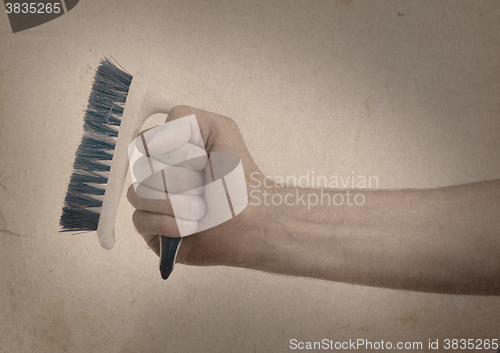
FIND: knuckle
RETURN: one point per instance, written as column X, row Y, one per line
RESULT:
column 225, row 123
column 231, row 124
column 136, row 219
column 198, row 208
column 179, row 111
column 131, row 194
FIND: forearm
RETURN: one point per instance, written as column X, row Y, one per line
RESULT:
column 436, row 240
column 440, row 240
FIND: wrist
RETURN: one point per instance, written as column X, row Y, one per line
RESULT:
column 282, row 229
column 300, row 233
column 259, row 226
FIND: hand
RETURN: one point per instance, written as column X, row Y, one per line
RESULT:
column 225, row 244
column 437, row 240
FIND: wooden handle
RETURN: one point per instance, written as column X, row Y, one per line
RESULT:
column 145, row 98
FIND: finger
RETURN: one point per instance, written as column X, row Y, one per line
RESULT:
column 191, row 208
column 153, row 241
column 142, row 166
column 150, row 194
column 167, row 137
column 187, row 114
column 178, row 180
column 150, row 224
column 188, row 155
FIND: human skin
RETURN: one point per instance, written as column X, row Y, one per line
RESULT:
column 444, row 240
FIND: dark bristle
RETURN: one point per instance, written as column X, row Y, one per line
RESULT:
column 93, row 156
column 78, row 219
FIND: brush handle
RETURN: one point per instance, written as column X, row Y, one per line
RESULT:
column 146, row 96
column 168, row 253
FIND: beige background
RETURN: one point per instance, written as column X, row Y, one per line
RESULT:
column 408, row 91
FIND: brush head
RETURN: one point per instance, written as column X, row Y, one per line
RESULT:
column 87, row 184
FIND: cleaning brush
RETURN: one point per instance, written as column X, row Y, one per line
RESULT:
column 118, row 106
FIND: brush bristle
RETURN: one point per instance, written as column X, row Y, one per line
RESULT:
column 93, row 157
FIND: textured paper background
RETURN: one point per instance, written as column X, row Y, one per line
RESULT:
column 408, row 91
